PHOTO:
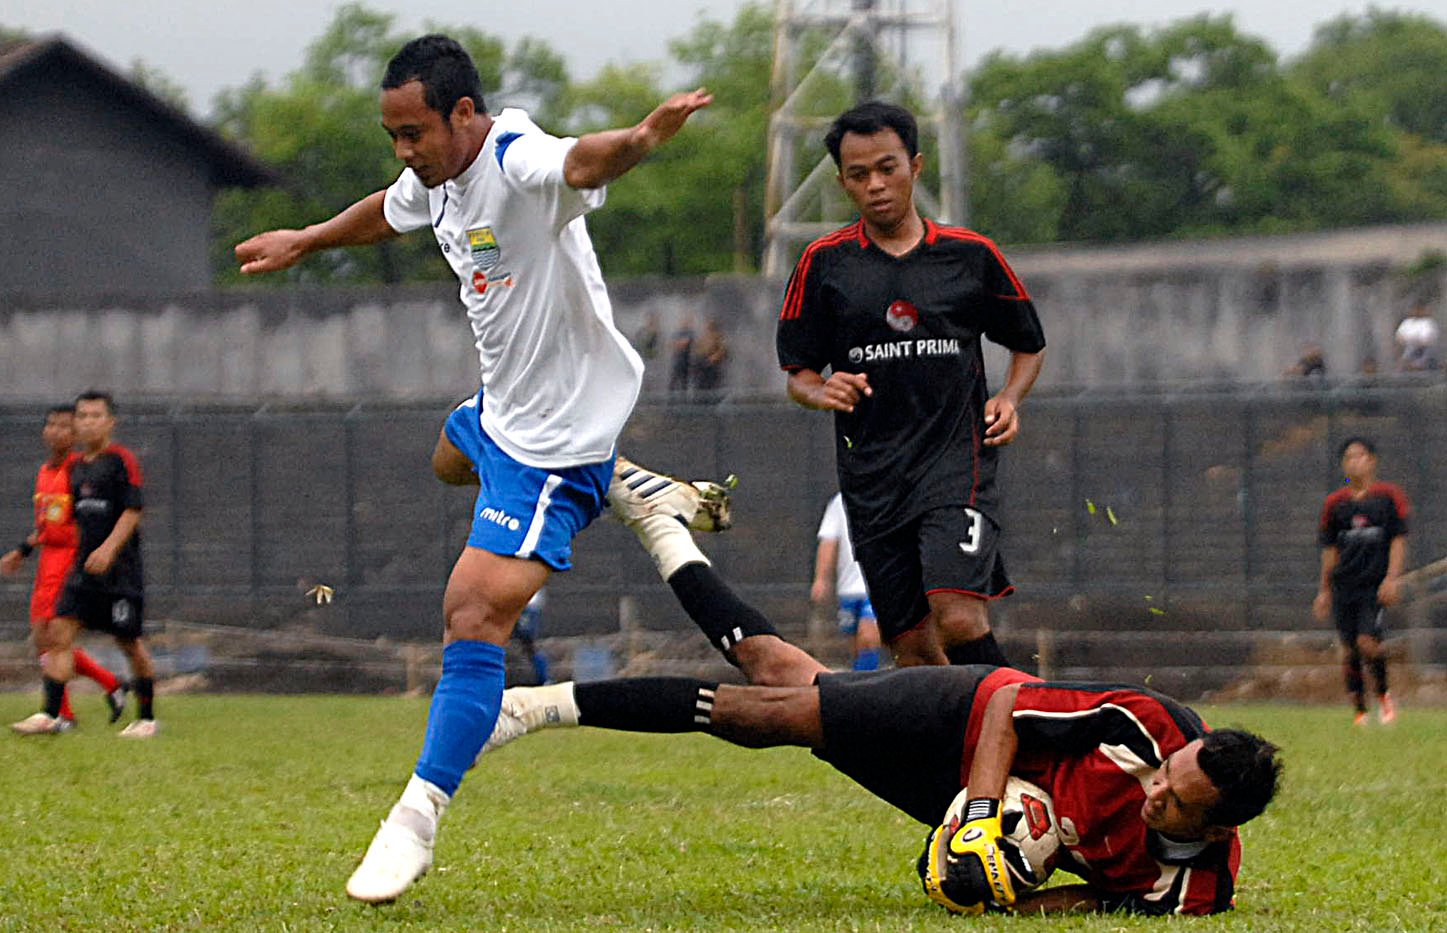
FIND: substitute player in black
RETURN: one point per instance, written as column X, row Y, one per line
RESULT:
column 895, row 306
column 105, row 591
column 1363, row 537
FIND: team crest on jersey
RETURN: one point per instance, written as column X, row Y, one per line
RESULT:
column 902, row 316
column 483, row 244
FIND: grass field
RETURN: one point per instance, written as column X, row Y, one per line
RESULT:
column 248, row 813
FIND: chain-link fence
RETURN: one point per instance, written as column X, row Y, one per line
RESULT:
column 1145, row 532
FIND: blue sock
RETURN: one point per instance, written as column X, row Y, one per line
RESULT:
column 464, row 710
column 867, row 660
column 540, row 667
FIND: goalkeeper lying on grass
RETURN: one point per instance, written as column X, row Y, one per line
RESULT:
column 1146, row 798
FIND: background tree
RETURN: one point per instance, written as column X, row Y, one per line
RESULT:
column 1190, row 129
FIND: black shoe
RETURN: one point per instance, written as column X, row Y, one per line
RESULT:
column 116, row 699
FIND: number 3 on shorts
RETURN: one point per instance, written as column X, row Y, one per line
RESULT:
column 971, row 544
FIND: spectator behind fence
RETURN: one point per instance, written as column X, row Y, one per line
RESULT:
column 648, row 337
column 710, row 360
column 1417, row 338
column 1311, row 363
column 681, row 367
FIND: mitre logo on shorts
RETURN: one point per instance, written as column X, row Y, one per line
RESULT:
column 499, row 517
column 902, row 316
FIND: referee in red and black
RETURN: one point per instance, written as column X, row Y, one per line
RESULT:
column 893, row 306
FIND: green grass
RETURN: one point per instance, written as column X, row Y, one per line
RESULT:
column 248, row 813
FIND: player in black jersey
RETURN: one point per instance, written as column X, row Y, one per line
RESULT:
column 895, row 306
column 1363, row 536
column 105, row 591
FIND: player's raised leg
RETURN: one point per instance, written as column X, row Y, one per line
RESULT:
column 745, row 637
column 751, row 716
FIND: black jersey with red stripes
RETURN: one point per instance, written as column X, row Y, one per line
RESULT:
column 1362, row 528
column 913, row 325
column 1094, row 748
column 104, row 486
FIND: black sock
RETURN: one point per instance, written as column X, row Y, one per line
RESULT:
column 1352, row 669
column 646, row 704
column 54, row 696
column 983, row 650
column 1379, row 671
column 145, row 688
column 725, row 619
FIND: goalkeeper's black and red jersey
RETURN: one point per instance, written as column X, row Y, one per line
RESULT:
column 1094, row 748
column 912, row 324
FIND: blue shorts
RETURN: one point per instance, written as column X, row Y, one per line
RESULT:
column 853, row 611
column 523, row 511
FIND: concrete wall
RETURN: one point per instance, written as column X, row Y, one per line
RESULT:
column 1230, row 310
column 93, row 199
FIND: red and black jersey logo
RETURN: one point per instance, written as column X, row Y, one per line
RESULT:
column 902, row 316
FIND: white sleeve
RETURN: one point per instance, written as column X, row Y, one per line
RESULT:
column 534, row 160
column 832, row 527
column 405, row 205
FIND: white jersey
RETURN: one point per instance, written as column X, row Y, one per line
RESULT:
column 559, row 379
column 849, row 579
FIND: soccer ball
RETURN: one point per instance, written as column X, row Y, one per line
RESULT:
column 1027, row 817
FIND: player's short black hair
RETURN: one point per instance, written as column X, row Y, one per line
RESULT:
column 444, row 68
column 62, row 409
column 1367, row 445
column 869, row 118
column 96, row 395
column 1245, row 770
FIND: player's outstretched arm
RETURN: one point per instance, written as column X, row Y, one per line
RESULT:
column 598, row 158
column 965, row 871
column 358, row 225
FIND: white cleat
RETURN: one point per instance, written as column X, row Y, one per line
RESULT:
column 528, row 709
column 399, row 855
column 42, row 724
column 637, row 493
column 141, row 729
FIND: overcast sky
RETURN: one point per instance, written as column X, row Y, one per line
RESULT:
column 207, row 45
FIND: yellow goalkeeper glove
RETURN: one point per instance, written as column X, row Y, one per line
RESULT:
column 965, row 871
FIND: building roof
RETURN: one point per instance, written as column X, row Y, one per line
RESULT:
column 231, row 165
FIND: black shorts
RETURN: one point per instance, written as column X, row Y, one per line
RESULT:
column 946, row 550
column 102, row 611
column 1356, row 613
column 900, row 734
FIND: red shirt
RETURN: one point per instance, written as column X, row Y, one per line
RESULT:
column 1094, row 748
column 54, row 507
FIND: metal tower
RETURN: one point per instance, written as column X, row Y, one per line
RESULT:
column 850, row 51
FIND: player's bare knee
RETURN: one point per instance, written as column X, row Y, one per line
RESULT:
column 765, row 717
column 138, row 657
column 769, row 661
column 479, row 620
column 962, row 620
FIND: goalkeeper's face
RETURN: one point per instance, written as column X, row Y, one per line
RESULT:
column 1180, row 795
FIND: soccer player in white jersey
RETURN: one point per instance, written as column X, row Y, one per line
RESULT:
column 505, row 201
